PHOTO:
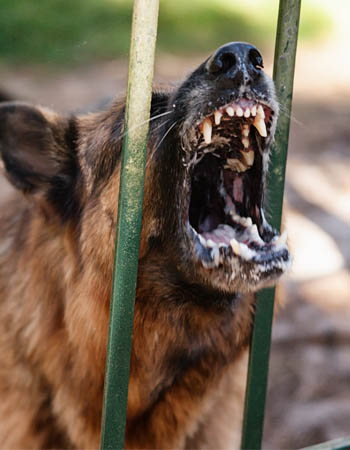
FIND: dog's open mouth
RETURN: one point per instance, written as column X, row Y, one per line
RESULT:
column 225, row 216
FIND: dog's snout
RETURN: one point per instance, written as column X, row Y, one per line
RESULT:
column 235, row 64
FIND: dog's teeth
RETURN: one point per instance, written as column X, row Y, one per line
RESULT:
column 215, row 255
column 282, row 240
column 253, row 111
column 246, row 252
column 242, row 220
column 245, row 142
column 239, row 111
column 260, row 112
column 235, row 217
column 254, row 230
column 247, row 221
column 235, row 247
column 230, row 111
column 260, row 126
column 245, row 130
column 248, row 157
column 217, row 117
column 210, row 243
column 207, row 130
column 247, row 113
column 255, row 233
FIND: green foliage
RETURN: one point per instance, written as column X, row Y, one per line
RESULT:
column 75, row 31
column 62, row 31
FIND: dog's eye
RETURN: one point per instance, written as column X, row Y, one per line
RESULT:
column 256, row 59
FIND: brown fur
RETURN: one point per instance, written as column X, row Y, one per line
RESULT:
column 55, row 292
column 57, row 236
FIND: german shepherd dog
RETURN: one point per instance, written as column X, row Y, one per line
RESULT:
column 206, row 247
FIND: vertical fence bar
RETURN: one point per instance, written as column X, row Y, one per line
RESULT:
column 139, row 91
column 284, row 63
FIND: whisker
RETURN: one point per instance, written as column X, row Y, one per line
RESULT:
column 290, row 116
column 160, row 142
column 142, row 123
column 161, row 115
column 161, row 125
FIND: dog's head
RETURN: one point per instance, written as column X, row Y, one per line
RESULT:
column 211, row 158
column 208, row 156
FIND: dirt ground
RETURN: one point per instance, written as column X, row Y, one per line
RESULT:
column 309, row 396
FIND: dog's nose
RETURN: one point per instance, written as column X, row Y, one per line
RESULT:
column 235, row 64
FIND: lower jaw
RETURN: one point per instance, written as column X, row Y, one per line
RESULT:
column 240, row 240
column 231, row 265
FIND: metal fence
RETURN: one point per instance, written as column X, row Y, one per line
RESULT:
column 143, row 39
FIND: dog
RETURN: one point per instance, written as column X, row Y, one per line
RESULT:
column 206, row 248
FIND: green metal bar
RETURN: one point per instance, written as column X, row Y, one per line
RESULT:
column 284, row 62
column 139, row 91
column 336, row 444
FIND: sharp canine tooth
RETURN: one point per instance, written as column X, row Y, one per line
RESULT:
column 245, row 142
column 246, row 221
column 246, row 252
column 247, row 113
column 260, row 126
column 254, row 231
column 235, row 217
column 230, row 111
column 217, row 117
column 253, row 111
column 235, row 247
column 207, row 129
column 260, row 112
column 245, row 130
column 239, row 111
column 210, row 243
column 215, row 255
column 248, row 157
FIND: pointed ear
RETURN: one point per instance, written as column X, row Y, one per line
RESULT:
column 38, row 152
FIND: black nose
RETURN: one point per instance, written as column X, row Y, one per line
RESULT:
column 235, row 64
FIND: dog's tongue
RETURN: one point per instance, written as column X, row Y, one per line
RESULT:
column 221, row 235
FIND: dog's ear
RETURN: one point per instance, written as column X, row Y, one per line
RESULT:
column 38, row 153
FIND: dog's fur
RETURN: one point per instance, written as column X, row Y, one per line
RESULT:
column 57, row 233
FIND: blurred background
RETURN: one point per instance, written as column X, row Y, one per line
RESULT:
column 72, row 54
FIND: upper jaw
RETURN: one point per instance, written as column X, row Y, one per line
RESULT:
column 259, row 114
column 237, row 250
